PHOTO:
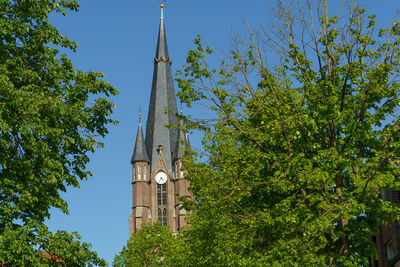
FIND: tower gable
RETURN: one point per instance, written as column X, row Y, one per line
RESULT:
column 161, row 165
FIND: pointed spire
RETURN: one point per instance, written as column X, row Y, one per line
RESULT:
column 162, row 108
column 140, row 154
column 162, row 48
column 187, row 141
column 181, row 143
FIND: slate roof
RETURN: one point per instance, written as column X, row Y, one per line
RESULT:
column 162, row 108
column 140, row 153
column 180, row 144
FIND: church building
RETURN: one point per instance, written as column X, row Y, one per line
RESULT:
column 157, row 178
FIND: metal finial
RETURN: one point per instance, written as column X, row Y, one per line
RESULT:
column 140, row 114
column 162, row 8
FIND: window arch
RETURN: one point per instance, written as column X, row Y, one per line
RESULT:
column 162, row 216
column 139, row 172
column 162, row 203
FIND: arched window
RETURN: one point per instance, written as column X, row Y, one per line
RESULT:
column 162, row 203
column 144, row 172
column 162, row 216
column 139, row 172
column 180, row 170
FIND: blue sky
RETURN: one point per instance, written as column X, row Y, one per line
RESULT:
column 119, row 38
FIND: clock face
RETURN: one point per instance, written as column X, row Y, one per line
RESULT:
column 161, row 178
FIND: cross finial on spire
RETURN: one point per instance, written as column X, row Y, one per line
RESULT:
column 140, row 114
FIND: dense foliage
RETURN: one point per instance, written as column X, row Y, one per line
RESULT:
column 301, row 147
column 152, row 245
column 49, row 119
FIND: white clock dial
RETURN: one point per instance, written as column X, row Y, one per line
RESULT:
column 161, row 178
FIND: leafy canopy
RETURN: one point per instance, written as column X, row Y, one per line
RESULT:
column 301, row 147
column 50, row 115
column 152, row 245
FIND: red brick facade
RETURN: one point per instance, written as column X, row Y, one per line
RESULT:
column 388, row 239
column 145, row 199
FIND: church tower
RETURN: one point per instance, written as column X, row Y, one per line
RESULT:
column 157, row 177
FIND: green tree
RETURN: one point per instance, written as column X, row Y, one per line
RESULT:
column 50, row 115
column 301, row 147
column 20, row 246
column 152, row 245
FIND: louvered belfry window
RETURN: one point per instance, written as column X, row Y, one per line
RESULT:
column 162, row 203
